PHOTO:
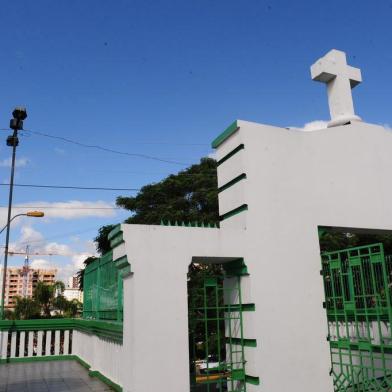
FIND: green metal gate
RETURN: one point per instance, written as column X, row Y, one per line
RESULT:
column 216, row 329
column 358, row 297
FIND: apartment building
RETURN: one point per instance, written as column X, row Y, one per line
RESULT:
column 21, row 281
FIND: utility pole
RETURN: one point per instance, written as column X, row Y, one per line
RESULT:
column 19, row 114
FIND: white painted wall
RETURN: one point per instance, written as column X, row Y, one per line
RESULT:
column 295, row 182
column 101, row 354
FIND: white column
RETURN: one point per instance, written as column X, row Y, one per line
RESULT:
column 13, row 345
column 66, row 343
column 22, row 341
column 57, row 343
column 48, row 340
column 39, row 343
column 3, row 344
column 31, row 342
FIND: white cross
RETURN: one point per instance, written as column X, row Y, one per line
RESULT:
column 340, row 78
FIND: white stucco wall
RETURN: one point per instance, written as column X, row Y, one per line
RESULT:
column 155, row 303
column 295, row 182
column 101, row 354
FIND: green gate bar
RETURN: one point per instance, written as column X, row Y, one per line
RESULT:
column 358, row 297
column 222, row 336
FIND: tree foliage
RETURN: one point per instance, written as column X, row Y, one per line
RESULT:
column 102, row 242
column 80, row 273
column 45, row 295
column 47, row 300
column 25, row 309
column 191, row 195
column 337, row 240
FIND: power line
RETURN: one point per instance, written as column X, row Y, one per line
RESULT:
column 32, row 253
column 133, row 141
column 73, row 187
column 66, row 208
column 62, row 235
column 98, row 147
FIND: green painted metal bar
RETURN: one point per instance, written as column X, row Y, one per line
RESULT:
column 358, row 295
column 220, row 309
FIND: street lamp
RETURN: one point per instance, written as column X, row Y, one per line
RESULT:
column 19, row 115
column 35, row 214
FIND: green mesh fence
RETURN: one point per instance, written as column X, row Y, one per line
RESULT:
column 358, row 297
column 103, row 290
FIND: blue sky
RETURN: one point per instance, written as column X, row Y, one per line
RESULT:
column 161, row 78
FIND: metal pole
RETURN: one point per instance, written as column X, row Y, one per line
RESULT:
column 8, row 221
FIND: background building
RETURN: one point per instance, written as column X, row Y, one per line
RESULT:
column 70, row 294
column 21, row 281
column 73, row 282
column 72, row 291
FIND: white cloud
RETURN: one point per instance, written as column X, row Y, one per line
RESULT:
column 56, row 248
column 28, row 234
column 73, row 209
column 67, row 270
column 41, row 263
column 66, row 259
column 311, row 126
column 19, row 162
column 64, row 271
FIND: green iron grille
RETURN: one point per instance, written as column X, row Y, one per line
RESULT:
column 218, row 347
column 358, row 297
column 103, row 290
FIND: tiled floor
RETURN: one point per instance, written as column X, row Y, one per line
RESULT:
column 59, row 376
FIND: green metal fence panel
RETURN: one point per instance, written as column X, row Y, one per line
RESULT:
column 218, row 359
column 103, row 290
column 90, row 290
column 358, row 297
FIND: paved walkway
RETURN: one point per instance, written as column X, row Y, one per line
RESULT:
column 59, row 376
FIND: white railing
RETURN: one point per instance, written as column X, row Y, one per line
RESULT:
column 95, row 344
column 375, row 332
column 24, row 344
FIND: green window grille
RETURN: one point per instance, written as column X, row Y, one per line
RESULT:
column 217, row 341
column 358, row 297
column 103, row 290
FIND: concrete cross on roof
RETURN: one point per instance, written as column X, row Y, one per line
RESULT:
column 340, row 78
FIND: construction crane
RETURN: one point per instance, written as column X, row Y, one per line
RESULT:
column 25, row 273
column 26, row 270
column 11, row 253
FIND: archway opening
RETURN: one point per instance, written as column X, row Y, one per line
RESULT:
column 215, row 322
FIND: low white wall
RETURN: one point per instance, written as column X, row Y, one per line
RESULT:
column 101, row 354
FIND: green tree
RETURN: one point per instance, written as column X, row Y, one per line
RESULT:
column 60, row 304
column 337, row 239
column 191, row 195
column 102, row 242
column 74, row 308
column 45, row 294
column 26, row 308
column 80, row 273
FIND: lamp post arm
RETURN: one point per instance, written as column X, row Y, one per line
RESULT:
column 11, row 221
